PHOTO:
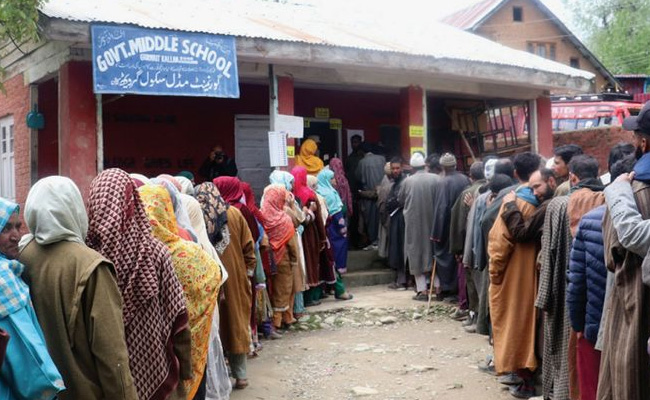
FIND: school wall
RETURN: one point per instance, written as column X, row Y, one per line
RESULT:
column 596, row 142
column 16, row 102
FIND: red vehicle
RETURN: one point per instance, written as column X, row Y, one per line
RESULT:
column 588, row 111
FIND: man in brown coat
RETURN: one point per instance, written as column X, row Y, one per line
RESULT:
column 513, row 287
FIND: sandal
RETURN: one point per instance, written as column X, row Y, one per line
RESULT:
column 345, row 296
column 241, row 383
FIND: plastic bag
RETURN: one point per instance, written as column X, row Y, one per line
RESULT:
column 217, row 381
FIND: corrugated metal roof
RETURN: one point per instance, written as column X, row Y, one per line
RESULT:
column 631, row 76
column 467, row 18
column 306, row 24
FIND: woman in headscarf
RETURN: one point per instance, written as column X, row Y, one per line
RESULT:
column 229, row 233
column 294, row 210
column 312, row 183
column 155, row 316
column 75, row 295
column 280, row 230
column 199, row 275
column 314, row 238
column 21, row 330
column 383, row 190
column 232, row 191
column 308, row 158
column 183, row 224
column 187, row 187
column 342, row 185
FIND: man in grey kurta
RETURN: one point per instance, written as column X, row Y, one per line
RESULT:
column 416, row 197
column 370, row 173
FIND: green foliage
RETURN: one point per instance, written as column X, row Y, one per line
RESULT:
column 618, row 32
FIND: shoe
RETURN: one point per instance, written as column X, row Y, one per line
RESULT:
column 460, row 315
column 395, row 286
column 241, row 383
column 312, row 304
column 471, row 320
column 470, row 328
column 510, row 379
column 522, row 391
column 421, row 296
column 345, row 296
column 487, row 366
column 274, row 335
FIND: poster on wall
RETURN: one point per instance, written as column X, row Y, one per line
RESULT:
column 278, row 149
column 352, row 132
column 138, row 60
column 293, row 126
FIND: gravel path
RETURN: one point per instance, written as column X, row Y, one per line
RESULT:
column 381, row 345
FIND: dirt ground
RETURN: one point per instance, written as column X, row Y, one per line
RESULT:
column 380, row 345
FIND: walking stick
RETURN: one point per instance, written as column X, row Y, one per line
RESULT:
column 433, row 278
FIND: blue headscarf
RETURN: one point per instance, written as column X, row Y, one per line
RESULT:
column 325, row 189
column 15, row 293
column 283, row 178
column 526, row 194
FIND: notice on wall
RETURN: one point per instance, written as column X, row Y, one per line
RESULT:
column 278, row 149
column 336, row 124
column 353, row 132
column 293, row 126
column 129, row 59
column 322, row 112
column 291, row 151
column 418, row 150
column 416, row 131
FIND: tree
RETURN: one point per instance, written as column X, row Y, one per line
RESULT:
column 18, row 24
column 618, row 32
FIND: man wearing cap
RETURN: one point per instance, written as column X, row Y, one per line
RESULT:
column 447, row 269
column 625, row 365
column 416, row 197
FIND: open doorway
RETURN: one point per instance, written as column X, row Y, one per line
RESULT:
column 328, row 132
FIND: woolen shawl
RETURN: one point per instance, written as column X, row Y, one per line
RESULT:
column 308, row 158
column 199, row 275
column 151, row 293
column 342, row 184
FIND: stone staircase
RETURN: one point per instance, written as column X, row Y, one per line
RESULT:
column 365, row 268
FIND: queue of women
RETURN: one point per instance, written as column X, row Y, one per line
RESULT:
column 159, row 289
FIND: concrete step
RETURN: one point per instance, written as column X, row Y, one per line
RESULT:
column 360, row 260
column 369, row 277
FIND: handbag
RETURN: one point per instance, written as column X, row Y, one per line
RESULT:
column 28, row 371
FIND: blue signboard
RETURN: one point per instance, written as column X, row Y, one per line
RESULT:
column 136, row 60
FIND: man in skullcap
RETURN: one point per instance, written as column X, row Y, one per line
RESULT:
column 415, row 196
column 451, row 186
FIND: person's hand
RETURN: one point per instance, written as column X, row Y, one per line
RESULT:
column 468, row 199
column 313, row 207
column 489, row 200
column 509, row 197
column 625, row 177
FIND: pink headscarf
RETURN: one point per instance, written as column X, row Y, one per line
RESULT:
column 300, row 188
column 342, row 185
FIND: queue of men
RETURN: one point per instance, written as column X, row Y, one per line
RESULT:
column 549, row 263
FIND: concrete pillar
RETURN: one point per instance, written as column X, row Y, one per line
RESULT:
column 544, row 127
column 412, row 121
column 286, row 107
column 77, row 124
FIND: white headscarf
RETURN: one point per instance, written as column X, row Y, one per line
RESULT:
column 489, row 168
column 141, row 178
column 186, row 185
column 55, row 212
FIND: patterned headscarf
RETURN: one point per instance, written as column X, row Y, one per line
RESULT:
column 277, row 223
column 15, row 293
column 182, row 219
column 151, row 293
column 214, row 211
column 342, row 184
column 308, row 157
column 198, row 273
column 283, row 178
column 300, row 188
column 325, row 189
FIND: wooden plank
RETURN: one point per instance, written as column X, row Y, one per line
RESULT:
column 42, row 62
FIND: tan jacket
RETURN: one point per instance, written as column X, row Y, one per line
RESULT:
column 79, row 307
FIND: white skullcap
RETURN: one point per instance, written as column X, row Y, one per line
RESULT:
column 417, row 160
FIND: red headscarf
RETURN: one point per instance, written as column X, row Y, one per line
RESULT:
column 300, row 188
column 231, row 190
column 342, row 185
column 277, row 223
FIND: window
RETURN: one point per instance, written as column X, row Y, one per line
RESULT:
column 574, row 62
column 551, row 52
column 530, row 47
column 541, row 50
column 7, row 182
column 517, row 14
